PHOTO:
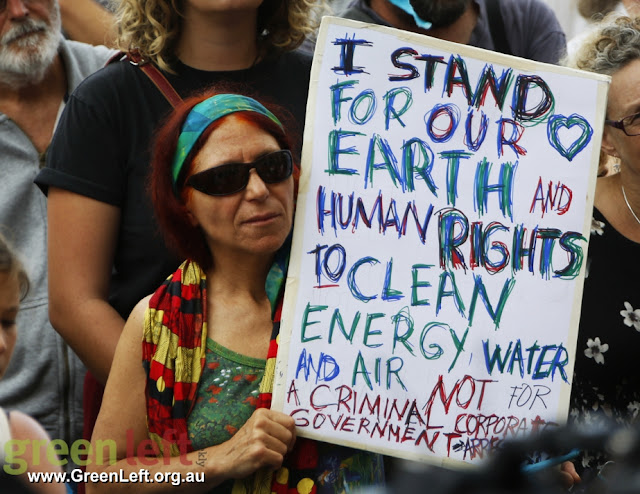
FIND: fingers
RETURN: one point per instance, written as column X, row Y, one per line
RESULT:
column 278, row 427
column 568, row 474
column 262, row 442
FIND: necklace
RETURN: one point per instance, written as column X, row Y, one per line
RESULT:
column 629, row 205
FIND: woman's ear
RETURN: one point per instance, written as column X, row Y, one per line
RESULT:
column 192, row 219
column 190, row 216
column 608, row 146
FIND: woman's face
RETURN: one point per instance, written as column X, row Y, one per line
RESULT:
column 9, row 305
column 255, row 220
column 624, row 100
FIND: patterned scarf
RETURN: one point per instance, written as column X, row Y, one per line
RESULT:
column 173, row 353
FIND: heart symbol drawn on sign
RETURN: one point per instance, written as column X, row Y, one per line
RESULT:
column 558, row 122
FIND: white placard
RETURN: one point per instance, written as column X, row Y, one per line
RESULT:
column 440, row 241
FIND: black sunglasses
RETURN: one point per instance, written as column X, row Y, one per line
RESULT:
column 630, row 124
column 233, row 177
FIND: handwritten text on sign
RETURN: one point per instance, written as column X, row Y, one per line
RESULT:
column 439, row 245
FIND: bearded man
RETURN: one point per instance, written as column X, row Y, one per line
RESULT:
column 524, row 28
column 38, row 69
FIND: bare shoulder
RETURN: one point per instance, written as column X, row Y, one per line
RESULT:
column 36, row 453
column 140, row 308
column 135, row 320
column 129, row 347
column 24, row 427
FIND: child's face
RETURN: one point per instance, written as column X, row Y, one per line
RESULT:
column 9, row 305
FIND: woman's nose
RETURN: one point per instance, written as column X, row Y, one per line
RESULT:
column 256, row 188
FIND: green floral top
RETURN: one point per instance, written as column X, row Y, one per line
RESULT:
column 231, row 381
column 227, row 396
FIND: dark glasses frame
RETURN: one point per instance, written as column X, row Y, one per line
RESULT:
column 230, row 178
column 620, row 124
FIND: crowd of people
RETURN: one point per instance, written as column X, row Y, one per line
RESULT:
column 206, row 102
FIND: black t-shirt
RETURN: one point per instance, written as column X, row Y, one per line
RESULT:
column 606, row 385
column 101, row 149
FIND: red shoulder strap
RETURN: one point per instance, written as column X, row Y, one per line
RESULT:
column 153, row 73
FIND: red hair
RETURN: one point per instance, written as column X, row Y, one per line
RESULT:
column 181, row 236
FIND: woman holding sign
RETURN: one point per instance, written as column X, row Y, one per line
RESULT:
column 223, row 182
column 606, row 386
column 98, row 160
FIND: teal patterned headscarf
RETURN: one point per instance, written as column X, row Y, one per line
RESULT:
column 204, row 114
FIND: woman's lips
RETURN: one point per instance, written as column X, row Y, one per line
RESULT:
column 261, row 218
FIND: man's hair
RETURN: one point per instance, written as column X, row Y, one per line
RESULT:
column 182, row 237
column 152, row 27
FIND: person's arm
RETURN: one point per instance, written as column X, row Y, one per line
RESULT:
column 36, row 452
column 543, row 35
column 261, row 443
column 82, row 239
column 87, row 21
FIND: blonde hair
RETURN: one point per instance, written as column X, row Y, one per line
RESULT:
column 10, row 264
column 152, row 27
column 609, row 46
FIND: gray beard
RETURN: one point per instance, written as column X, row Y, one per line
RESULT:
column 25, row 61
column 440, row 13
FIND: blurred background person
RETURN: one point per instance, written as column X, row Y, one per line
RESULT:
column 524, row 28
column 38, row 69
column 89, row 21
column 29, row 452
